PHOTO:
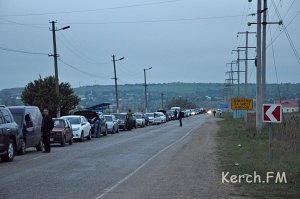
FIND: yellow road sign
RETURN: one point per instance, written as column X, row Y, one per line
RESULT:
column 241, row 104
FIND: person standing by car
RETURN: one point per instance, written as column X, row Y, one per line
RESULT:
column 47, row 126
column 180, row 116
column 175, row 114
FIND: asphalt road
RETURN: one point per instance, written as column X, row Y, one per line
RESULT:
column 124, row 165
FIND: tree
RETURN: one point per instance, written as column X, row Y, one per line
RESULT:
column 41, row 93
column 181, row 102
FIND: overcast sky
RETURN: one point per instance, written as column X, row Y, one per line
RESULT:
column 183, row 40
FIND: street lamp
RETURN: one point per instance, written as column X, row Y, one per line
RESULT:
column 115, row 78
column 55, row 55
column 146, row 103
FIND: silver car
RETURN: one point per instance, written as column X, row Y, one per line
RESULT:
column 112, row 124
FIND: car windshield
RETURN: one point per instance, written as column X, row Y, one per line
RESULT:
column 58, row 123
column 74, row 120
column 150, row 114
column 138, row 116
column 121, row 116
column 108, row 118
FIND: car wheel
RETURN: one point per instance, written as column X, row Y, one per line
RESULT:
column 63, row 143
column 71, row 141
column 22, row 151
column 10, row 151
column 105, row 133
column 40, row 146
column 89, row 137
column 81, row 137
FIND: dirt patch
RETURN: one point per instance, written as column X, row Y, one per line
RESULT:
column 192, row 172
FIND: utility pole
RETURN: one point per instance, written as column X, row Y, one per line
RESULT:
column 263, row 54
column 145, row 84
column 55, row 67
column 116, row 80
column 246, row 59
column 258, row 71
column 238, row 70
column 55, row 55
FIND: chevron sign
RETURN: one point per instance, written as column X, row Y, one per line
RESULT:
column 272, row 113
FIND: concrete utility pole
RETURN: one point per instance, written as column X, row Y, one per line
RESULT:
column 238, row 70
column 116, row 80
column 263, row 54
column 145, row 84
column 246, row 59
column 55, row 55
column 258, row 71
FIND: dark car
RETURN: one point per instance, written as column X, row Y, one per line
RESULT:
column 10, row 140
column 124, row 122
column 97, row 122
column 62, row 132
column 29, row 120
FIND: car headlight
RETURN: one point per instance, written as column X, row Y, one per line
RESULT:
column 75, row 129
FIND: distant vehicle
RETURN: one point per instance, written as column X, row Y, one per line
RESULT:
column 154, row 118
column 80, row 126
column 62, row 132
column 171, row 114
column 219, row 111
column 162, row 116
column 140, row 120
column 202, row 111
column 175, row 108
column 193, row 112
column 29, row 119
column 112, row 124
column 10, row 139
column 97, row 121
column 124, row 122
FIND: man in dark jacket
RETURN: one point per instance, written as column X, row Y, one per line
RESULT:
column 47, row 126
column 180, row 116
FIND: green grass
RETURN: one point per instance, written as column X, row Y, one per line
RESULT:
column 252, row 155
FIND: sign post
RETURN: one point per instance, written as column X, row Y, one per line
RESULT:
column 272, row 113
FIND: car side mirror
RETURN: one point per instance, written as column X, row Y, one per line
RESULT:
column 83, row 123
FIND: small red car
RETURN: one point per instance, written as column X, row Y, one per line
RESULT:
column 62, row 132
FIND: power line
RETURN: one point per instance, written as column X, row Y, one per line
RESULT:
column 155, row 21
column 287, row 34
column 77, row 53
column 22, row 51
column 289, row 23
column 82, row 71
column 22, row 24
column 93, row 10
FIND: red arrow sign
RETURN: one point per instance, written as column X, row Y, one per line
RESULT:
column 272, row 113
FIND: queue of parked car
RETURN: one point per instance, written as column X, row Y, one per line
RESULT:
column 20, row 126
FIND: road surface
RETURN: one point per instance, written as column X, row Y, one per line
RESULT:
column 163, row 161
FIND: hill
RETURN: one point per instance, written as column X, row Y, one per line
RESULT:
column 132, row 95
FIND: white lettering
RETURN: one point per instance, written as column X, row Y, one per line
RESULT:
column 270, row 175
column 257, row 178
column 224, row 177
column 280, row 178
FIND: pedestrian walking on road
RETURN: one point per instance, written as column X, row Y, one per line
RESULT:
column 175, row 115
column 180, row 116
column 47, row 126
column 214, row 112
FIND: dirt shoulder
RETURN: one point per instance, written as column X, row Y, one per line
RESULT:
column 187, row 170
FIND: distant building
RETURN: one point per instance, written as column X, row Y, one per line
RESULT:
column 288, row 106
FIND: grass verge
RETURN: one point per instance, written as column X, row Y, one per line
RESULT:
column 241, row 152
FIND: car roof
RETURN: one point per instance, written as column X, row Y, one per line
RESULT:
column 67, row 116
